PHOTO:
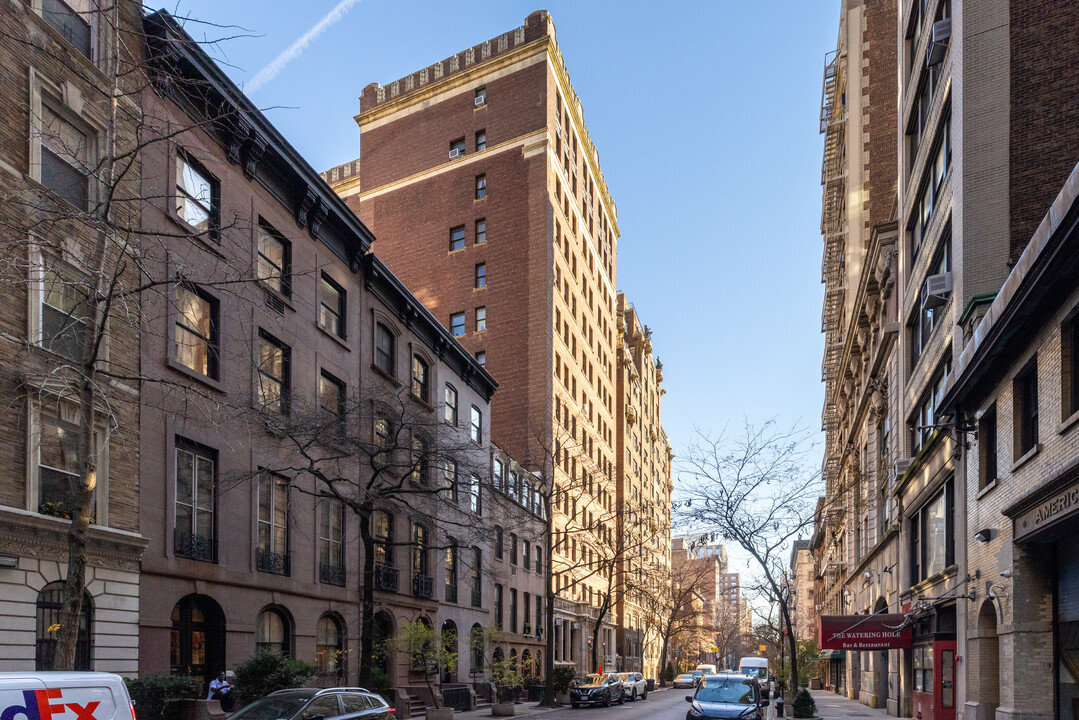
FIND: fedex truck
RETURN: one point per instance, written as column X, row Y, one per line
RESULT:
column 64, row 696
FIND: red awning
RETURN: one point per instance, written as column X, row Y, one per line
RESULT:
column 864, row 632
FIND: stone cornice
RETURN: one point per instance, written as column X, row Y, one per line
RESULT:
column 28, row 534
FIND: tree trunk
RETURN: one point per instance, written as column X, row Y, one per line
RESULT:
column 367, row 598
column 663, row 662
column 792, row 644
column 548, row 662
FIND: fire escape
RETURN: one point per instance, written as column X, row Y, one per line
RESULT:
column 833, row 117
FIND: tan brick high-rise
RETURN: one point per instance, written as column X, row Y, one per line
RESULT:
column 485, row 191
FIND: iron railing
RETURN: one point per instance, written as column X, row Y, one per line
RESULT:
column 451, row 593
column 386, row 578
column 195, row 547
column 275, row 563
column 423, row 586
column 331, row 574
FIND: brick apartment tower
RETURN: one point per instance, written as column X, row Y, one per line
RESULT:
column 484, row 189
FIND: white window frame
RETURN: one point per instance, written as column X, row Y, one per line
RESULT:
column 95, row 28
column 65, row 100
column 65, row 412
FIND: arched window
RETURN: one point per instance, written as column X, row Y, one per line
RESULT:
column 513, row 661
column 273, row 633
column 384, row 355
column 421, row 381
column 49, row 603
column 383, row 533
column 330, row 647
column 526, row 664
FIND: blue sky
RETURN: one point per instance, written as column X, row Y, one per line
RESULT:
column 706, row 119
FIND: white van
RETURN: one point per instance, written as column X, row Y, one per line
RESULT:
column 758, row 667
column 64, row 696
column 707, row 669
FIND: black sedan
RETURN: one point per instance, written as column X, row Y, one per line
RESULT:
column 597, row 689
column 727, row 696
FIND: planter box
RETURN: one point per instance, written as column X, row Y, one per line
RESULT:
column 438, row 714
column 562, row 698
column 500, row 710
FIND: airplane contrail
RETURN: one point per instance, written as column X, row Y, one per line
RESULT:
column 270, row 71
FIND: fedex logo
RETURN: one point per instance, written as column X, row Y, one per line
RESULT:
column 47, row 705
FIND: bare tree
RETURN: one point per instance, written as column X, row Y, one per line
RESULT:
column 758, row 490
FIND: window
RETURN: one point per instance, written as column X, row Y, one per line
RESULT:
column 50, row 602
column 474, row 500
column 457, row 324
column 382, row 524
column 59, row 465
column 330, row 649
column 273, row 502
column 987, row 446
column 924, row 423
column 481, row 319
column 1025, row 394
column 477, row 576
column 273, row 633
column 196, row 338
column 928, row 312
column 419, row 550
column 513, row 548
column 513, row 610
column 481, row 275
column 457, row 147
column 71, row 18
column 481, row 96
column 274, row 260
column 498, row 542
column 539, row 564
column 451, row 405
column 384, row 349
column 331, row 312
column 476, row 428
column 1069, row 366
column 931, row 188
column 481, row 231
column 498, row 606
column 65, row 313
column 196, row 496
column 449, row 475
column 923, row 669
column 457, row 238
column 933, row 535
column 273, row 374
column 526, row 554
column 526, row 614
column 481, row 187
column 383, row 437
column 66, row 156
column 331, row 398
column 481, row 140
column 331, row 554
column 197, row 194
column 421, row 455
column 451, row 571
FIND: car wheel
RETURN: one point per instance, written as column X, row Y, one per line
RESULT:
column 621, row 696
column 633, row 697
column 607, row 699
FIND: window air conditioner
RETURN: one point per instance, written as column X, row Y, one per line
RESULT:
column 481, row 100
column 900, row 467
column 456, row 153
column 938, row 41
column 936, row 290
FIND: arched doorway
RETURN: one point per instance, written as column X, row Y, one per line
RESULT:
column 476, row 641
column 449, row 644
column 513, row 661
column 197, row 644
column 526, row 664
column 382, row 634
column 988, row 683
column 330, row 649
column 49, row 604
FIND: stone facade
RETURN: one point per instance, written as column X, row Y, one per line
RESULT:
column 61, row 208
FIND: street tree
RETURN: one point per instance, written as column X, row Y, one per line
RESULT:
column 756, row 489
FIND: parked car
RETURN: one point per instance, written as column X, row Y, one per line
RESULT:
column 595, row 689
column 685, row 680
column 31, row 694
column 698, row 676
column 314, row 704
column 727, row 696
column 634, row 685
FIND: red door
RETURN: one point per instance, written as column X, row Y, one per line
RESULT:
column 944, row 680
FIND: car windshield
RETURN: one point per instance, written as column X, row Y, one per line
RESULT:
column 273, row 707
column 593, row 679
column 760, row 672
column 725, row 690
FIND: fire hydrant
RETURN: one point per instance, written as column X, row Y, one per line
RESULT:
column 779, row 707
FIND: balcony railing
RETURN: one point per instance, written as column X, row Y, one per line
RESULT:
column 331, row 574
column 476, row 597
column 386, row 578
column 195, row 547
column 451, row 593
column 423, row 586
column 275, row 563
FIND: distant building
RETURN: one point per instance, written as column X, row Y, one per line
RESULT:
column 802, row 591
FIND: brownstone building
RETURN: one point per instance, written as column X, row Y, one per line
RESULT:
column 63, row 219
column 480, row 179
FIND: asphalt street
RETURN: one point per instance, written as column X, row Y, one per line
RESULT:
column 666, row 705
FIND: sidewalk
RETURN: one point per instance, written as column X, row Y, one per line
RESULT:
column 523, row 709
column 830, row 705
